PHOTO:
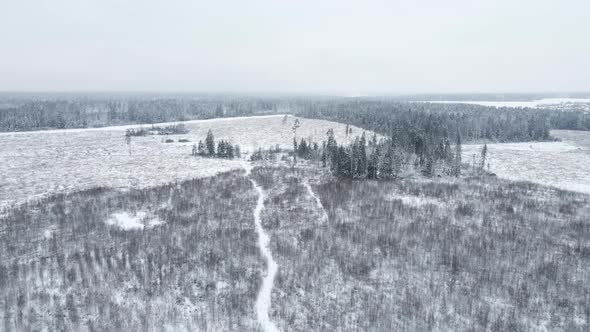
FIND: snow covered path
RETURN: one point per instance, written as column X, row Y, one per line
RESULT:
column 317, row 200
column 263, row 301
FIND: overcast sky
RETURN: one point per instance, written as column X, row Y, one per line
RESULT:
column 295, row 46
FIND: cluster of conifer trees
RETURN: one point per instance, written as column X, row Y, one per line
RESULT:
column 224, row 148
column 385, row 158
column 422, row 123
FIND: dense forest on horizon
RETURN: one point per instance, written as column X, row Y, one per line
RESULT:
column 385, row 116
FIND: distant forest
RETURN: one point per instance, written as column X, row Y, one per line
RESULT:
column 386, row 116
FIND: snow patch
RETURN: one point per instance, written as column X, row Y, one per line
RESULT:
column 137, row 221
column 48, row 233
column 416, row 201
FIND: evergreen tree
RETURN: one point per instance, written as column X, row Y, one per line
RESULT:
column 225, row 150
column 428, row 168
column 294, row 150
column 302, row 149
column 353, row 157
column 484, row 153
column 385, row 168
column 362, row 157
column 344, row 163
column 229, row 151
column 331, row 150
column 458, row 151
column 324, row 156
column 448, row 152
column 210, row 143
column 237, row 152
column 201, row 149
column 372, row 164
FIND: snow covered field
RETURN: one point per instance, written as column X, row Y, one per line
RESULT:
column 42, row 162
column 561, row 164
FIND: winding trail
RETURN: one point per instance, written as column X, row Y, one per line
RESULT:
column 263, row 301
column 317, row 200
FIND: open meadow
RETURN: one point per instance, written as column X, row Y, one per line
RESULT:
column 38, row 163
column 563, row 164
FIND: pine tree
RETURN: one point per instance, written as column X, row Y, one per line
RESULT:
column 428, row 169
column 385, row 168
column 448, row 152
column 372, row 164
column 344, row 163
column 302, row 149
column 210, row 143
column 230, row 151
column 296, row 125
column 221, row 153
column 484, row 154
column 237, row 152
column 294, row 150
column 201, row 150
column 458, row 152
column 331, row 150
column 362, row 157
column 354, row 157
column 324, row 158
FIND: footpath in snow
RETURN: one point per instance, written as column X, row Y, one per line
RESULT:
column 263, row 301
column 317, row 200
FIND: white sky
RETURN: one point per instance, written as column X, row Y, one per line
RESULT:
column 295, row 46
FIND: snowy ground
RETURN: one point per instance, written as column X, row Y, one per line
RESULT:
column 561, row 164
column 128, row 221
column 37, row 163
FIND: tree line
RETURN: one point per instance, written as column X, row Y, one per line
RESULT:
column 410, row 121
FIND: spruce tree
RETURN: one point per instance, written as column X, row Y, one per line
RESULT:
column 201, row 150
column 458, row 152
column 344, row 163
column 294, row 150
column 362, row 157
column 484, row 154
column 210, row 143
column 221, row 149
column 237, row 152
column 230, row 150
column 324, row 156
column 354, row 157
column 372, row 164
